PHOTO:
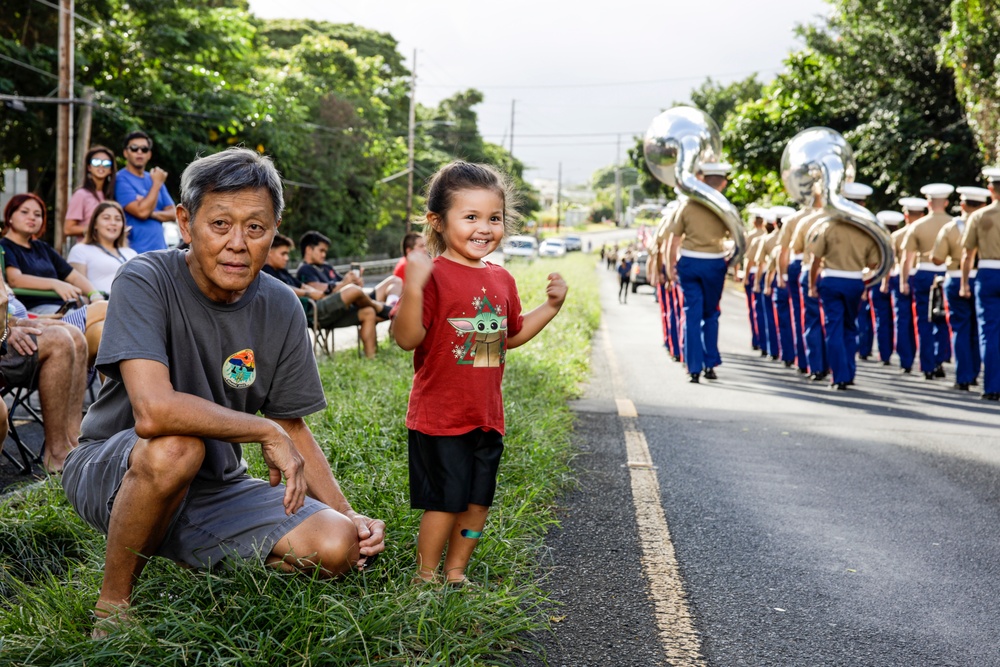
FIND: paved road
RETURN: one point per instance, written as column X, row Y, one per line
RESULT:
column 810, row 527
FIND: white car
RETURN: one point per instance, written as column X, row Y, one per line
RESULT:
column 573, row 242
column 552, row 248
column 524, row 247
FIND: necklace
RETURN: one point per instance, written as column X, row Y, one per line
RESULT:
column 116, row 255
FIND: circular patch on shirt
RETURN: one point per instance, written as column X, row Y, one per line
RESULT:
column 239, row 370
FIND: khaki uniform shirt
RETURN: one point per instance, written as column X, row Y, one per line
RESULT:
column 982, row 232
column 765, row 252
column 806, row 231
column 844, row 247
column 788, row 229
column 897, row 238
column 923, row 233
column 948, row 246
column 703, row 231
column 754, row 247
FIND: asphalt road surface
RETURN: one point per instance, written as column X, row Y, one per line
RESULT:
column 809, row 527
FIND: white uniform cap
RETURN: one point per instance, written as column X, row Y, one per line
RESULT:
column 992, row 174
column 756, row 211
column 768, row 215
column 715, row 168
column 782, row 212
column 913, row 203
column 856, row 190
column 973, row 194
column 937, row 190
column 889, row 217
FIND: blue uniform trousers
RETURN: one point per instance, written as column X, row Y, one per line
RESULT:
column 673, row 320
column 987, row 289
column 841, row 299
column 760, row 317
column 866, row 327
column 748, row 288
column 964, row 331
column 932, row 337
column 813, row 328
column 902, row 307
column 702, row 281
column 771, row 324
column 884, row 322
column 783, row 319
column 795, row 294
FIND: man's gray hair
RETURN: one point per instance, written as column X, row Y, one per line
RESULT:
column 229, row 171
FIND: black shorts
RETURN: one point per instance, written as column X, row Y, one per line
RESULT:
column 450, row 472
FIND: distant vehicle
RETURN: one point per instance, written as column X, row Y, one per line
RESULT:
column 639, row 271
column 552, row 248
column 573, row 242
column 525, row 247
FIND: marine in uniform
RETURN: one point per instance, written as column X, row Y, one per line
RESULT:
column 842, row 252
column 881, row 298
column 981, row 239
column 776, row 283
column 790, row 272
column 859, row 193
column 701, row 271
column 812, row 317
column 933, row 338
column 763, row 290
column 665, row 290
column 750, row 277
column 913, row 209
column 961, row 310
column 757, row 219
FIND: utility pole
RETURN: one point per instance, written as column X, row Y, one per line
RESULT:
column 64, row 124
column 412, row 131
column 558, row 198
column 512, row 103
column 618, row 183
column 83, row 129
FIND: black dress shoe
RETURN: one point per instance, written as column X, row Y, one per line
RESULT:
column 887, row 363
column 939, row 372
column 755, row 347
column 710, row 374
column 788, row 364
column 763, row 353
column 839, row 386
column 695, row 378
column 928, row 376
column 865, row 357
column 974, row 383
column 850, row 383
column 804, row 370
column 817, row 377
column 992, row 396
column 677, row 357
column 907, row 370
column 774, row 357
column 964, row 386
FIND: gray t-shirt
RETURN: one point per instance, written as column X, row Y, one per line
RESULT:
column 251, row 356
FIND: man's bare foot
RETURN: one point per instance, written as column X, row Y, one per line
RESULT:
column 107, row 619
column 52, row 465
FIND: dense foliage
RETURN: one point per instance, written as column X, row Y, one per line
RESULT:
column 329, row 102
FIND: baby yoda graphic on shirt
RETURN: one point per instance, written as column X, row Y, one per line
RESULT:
column 485, row 334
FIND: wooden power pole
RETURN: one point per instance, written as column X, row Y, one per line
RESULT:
column 64, row 124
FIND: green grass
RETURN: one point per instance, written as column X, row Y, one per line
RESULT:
column 51, row 563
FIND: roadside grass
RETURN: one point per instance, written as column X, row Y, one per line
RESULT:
column 242, row 614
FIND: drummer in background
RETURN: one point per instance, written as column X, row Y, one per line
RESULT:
column 700, row 235
column 982, row 238
column 843, row 252
column 881, row 298
column 933, row 339
column 757, row 220
column 961, row 310
column 790, row 275
column 913, row 209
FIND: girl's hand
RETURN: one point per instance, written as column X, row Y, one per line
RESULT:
column 66, row 291
column 556, row 290
column 418, row 267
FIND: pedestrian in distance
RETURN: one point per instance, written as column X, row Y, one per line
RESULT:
column 624, row 278
column 455, row 415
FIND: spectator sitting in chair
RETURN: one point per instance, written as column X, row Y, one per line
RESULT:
column 345, row 300
column 277, row 266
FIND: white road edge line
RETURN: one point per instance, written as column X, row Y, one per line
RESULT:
column 681, row 642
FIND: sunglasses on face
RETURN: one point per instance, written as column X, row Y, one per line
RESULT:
column 98, row 162
column 139, row 149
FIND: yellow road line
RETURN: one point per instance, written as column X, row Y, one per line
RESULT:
column 675, row 626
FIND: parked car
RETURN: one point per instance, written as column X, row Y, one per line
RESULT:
column 552, row 248
column 573, row 242
column 639, row 271
column 524, row 247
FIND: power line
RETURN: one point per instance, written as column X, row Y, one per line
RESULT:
column 610, row 84
column 27, row 66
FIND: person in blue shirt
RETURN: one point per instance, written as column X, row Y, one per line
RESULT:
column 143, row 195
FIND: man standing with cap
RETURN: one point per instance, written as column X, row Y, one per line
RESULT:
column 882, row 298
column 859, row 193
column 777, row 285
column 902, row 302
column 961, row 310
column 762, row 285
column 933, row 340
column 701, row 269
column 655, row 273
column 845, row 252
column 812, row 317
column 790, row 276
column 753, row 286
column 757, row 218
column 982, row 238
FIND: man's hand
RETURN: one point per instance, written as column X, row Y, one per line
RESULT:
column 556, row 290
column 20, row 339
column 284, row 460
column 813, row 292
column 965, row 291
column 904, row 287
column 159, row 176
column 371, row 536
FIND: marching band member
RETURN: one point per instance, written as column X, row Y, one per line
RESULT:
column 763, row 284
column 777, row 287
column 881, row 298
column 757, row 218
column 790, row 272
column 902, row 302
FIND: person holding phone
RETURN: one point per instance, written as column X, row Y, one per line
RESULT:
column 143, row 195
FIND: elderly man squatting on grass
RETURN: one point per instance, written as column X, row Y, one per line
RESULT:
column 196, row 344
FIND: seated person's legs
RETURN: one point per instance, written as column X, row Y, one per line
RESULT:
column 353, row 295
column 389, row 287
column 369, row 336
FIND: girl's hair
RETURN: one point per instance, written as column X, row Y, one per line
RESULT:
column 410, row 241
column 90, row 237
column 16, row 202
column 108, row 189
column 460, row 175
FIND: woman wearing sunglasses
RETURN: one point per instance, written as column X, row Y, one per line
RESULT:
column 98, row 185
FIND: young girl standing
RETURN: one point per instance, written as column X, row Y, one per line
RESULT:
column 461, row 315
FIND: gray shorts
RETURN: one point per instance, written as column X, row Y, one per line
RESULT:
column 332, row 312
column 244, row 517
column 18, row 370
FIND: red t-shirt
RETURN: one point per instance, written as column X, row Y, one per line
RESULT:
column 468, row 313
column 400, row 270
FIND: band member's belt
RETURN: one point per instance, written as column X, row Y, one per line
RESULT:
column 957, row 273
column 931, row 266
column 989, row 264
column 694, row 254
column 836, row 273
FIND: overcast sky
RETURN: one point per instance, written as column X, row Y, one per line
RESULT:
column 581, row 74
